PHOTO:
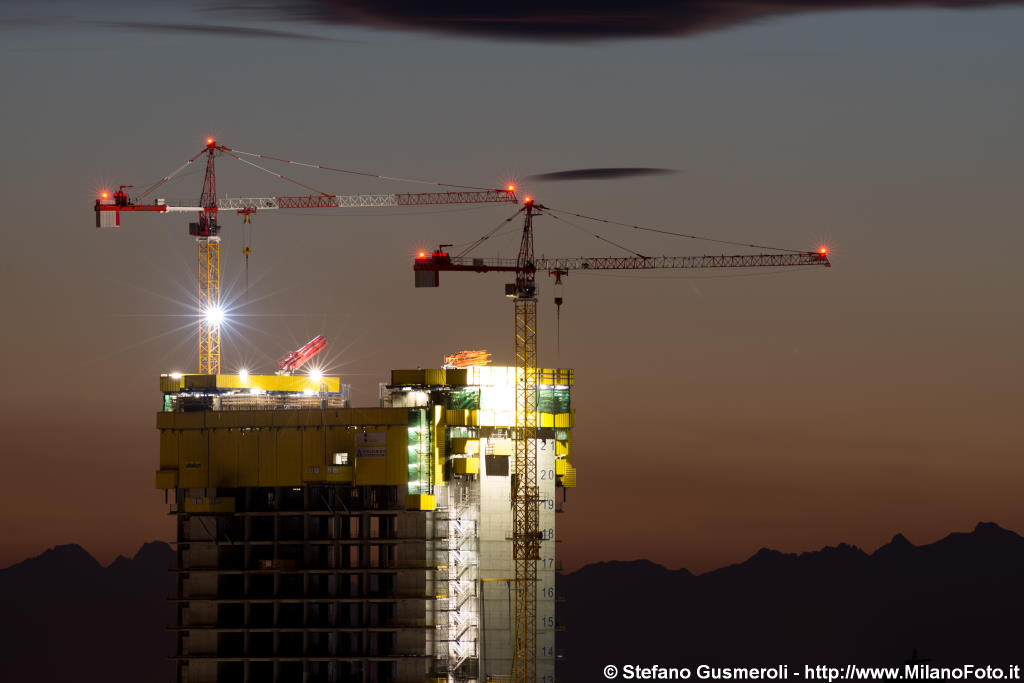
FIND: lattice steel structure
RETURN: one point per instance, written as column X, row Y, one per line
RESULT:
column 526, row 537
column 208, row 252
column 206, row 230
column 207, row 234
column 525, row 496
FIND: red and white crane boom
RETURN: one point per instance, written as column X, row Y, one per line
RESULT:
column 206, row 230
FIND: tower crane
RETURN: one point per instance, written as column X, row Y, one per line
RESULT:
column 526, row 536
column 206, row 229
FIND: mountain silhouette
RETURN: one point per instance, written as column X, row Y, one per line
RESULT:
column 951, row 602
column 65, row 617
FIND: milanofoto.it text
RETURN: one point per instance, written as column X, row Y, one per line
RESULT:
column 821, row 672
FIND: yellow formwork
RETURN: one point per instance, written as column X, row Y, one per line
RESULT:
column 456, row 376
column 565, row 420
column 420, row 501
column 560, row 467
column 420, row 376
column 290, row 383
column 284, row 448
column 465, row 446
column 358, row 417
column 463, row 418
column 167, row 479
column 224, row 459
column 329, row 473
column 565, row 447
column 438, row 426
column 248, row 458
column 466, row 465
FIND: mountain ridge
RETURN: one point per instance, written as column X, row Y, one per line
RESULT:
column 955, row 600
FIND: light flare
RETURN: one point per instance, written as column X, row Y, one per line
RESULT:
column 214, row 315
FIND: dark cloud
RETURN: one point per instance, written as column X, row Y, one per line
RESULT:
column 571, row 19
column 207, row 29
column 600, row 173
column 156, row 27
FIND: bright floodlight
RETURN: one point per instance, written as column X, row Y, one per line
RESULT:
column 214, row 315
column 315, row 376
column 243, row 374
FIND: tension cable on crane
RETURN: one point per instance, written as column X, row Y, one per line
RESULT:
column 170, row 175
column 206, row 229
column 473, row 245
column 675, row 234
column 362, row 173
column 596, row 236
column 276, row 175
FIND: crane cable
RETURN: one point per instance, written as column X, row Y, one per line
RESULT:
column 362, row 173
column 171, row 174
column 603, row 239
column 677, row 234
column 276, row 175
column 246, row 251
column 321, row 167
column 484, row 238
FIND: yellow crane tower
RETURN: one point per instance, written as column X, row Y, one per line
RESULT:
column 526, row 534
column 206, row 229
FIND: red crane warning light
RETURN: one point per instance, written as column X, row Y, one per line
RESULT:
column 209, row 142
column 823, row 250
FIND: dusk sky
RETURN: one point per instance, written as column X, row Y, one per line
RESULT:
column 717, row 411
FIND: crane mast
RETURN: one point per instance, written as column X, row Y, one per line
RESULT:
column 207, row 234
column 526, row 537
column 206, row 229
column 525, row 492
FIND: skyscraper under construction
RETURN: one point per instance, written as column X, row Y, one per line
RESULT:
column 319, row 542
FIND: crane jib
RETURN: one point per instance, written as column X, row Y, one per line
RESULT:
column 439, row 261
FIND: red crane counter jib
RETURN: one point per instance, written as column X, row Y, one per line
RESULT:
column 296, row 359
